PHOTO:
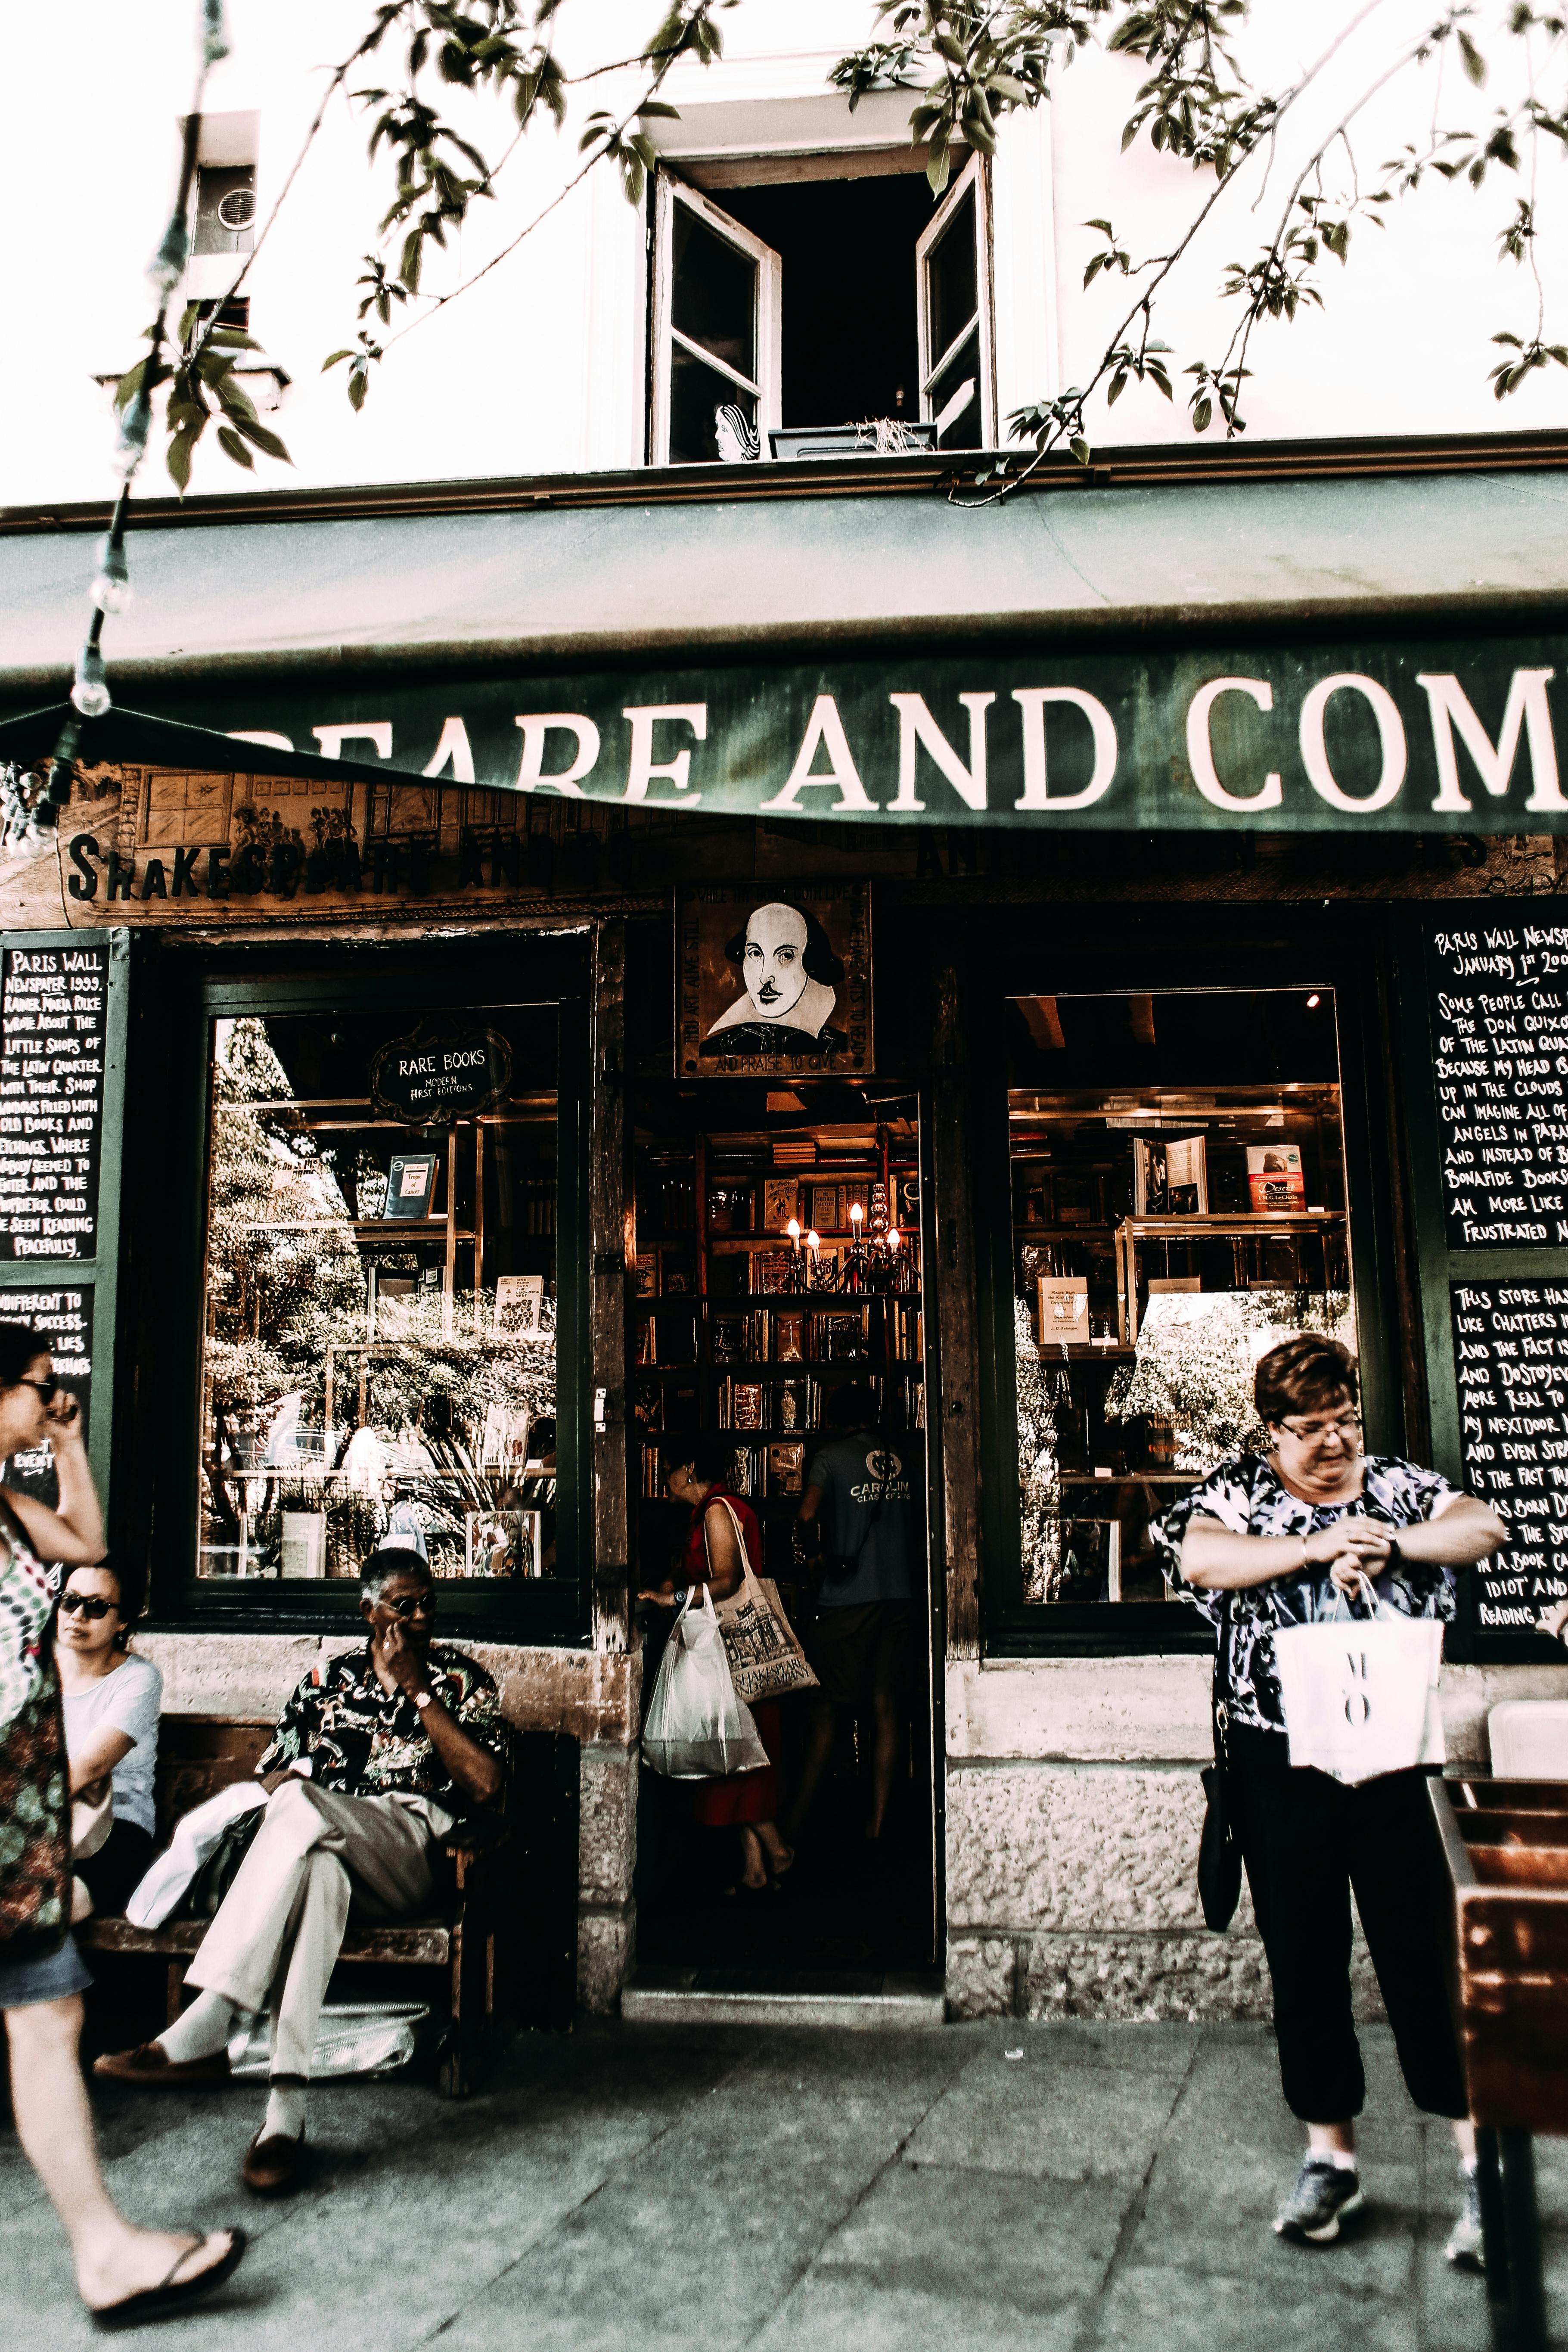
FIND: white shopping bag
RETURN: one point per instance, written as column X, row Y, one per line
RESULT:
column 1361, row 1694
column 361, row 2037
column 195, row 1839
column 695, row 1728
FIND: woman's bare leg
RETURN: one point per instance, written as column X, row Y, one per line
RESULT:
column 754, row 1871
column 779, row 1854
column 54, row 2124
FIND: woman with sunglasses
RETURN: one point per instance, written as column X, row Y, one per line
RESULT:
column 113, row 1700
column 125, row 2275
column 1280, row 1539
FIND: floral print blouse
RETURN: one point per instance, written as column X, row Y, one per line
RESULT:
column 1245, row 1494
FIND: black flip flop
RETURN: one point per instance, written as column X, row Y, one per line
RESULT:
column 156, row 2303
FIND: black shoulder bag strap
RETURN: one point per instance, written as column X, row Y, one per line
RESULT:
column 1219, row 1850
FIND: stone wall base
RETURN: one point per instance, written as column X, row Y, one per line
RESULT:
column 1187, row 1975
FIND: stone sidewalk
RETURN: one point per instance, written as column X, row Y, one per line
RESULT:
column 974, row 2189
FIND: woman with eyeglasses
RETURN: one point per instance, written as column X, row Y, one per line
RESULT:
column 113, row 1700
column 1280, row 1539
column 125, row 2275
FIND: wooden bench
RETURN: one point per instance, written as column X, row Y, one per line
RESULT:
column 200, row 1754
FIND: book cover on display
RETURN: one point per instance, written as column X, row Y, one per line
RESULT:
column 1063, row 1309
column 519, row 1302
column 410, row 1184
column 1275, row 1178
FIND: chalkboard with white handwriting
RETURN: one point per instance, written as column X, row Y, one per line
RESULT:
column 1510, row 1362
column 1500, row 1026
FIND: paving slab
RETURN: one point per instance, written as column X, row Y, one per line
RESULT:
column 1109, row 2189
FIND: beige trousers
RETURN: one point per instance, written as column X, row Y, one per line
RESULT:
column 277, row 1931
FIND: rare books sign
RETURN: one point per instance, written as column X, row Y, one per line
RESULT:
column 440, row 1071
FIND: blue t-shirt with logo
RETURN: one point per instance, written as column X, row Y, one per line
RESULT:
column 857, row 1475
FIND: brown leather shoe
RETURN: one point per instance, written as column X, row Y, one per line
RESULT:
column 150, row 2064
column 272, row 2167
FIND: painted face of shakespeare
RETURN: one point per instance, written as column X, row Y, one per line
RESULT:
column 774, row 963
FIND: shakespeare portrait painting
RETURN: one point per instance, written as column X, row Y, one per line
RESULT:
column 775, row 980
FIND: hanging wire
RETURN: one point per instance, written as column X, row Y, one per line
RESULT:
column 111, row 589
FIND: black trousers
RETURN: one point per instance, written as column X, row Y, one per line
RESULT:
column 112, row 1874
column 1307, row 1842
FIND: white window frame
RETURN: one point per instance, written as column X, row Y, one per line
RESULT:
column 768, row 389
column 971, row 179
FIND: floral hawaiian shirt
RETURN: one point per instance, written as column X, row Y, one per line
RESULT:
column 1246, row 1495
column 362, row 1742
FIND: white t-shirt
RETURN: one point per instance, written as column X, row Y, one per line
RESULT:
column 131, row 1700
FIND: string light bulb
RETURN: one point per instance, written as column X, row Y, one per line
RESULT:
column 90, row 689
column 111, row 591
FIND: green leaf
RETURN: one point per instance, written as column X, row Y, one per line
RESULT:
column 335, row 357
column 1079, row 448
column 264, row 439
column 178, row 460
column 233, row 446
column 359, row 384
column 1475, row 64
column 1202, row 415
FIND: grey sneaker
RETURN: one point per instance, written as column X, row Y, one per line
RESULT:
column 1464, row 2249
column 1325, row 2195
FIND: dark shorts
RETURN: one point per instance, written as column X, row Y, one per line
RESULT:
column 862, row 1653
column 23, row 1984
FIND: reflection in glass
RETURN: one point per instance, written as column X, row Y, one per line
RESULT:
column 959, row 383
column 1178, row 1209
column 952, row 280
column 378, row 1357
column 713, row 293
column 697, row 395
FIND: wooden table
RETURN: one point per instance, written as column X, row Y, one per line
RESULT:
column 1505, row 1847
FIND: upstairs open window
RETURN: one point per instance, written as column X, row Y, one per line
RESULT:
column 953, row 294
column 819, row 306
column 717, row 333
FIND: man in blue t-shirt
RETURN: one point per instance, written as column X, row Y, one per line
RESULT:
column 860, row 1494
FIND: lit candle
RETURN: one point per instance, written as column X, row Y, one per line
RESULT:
column 793, row 1230
column 814, row 1243
column 855, row 1213
column 893, row 1240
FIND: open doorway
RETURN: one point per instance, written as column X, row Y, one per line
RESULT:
column 753, row 1338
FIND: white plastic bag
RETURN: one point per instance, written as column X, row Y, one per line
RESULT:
column 361, row 2037
column 695, row 1728
column 1361, row 1696
column 196, row 1838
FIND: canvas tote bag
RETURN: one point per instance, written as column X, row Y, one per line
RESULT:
column 766, row 1659
column 1361, row 1696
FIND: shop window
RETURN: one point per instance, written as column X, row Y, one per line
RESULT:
column 383, row 1315
column 1178, row 1206
column 821, row 316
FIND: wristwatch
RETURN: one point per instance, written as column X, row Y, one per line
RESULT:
column 422, row 1700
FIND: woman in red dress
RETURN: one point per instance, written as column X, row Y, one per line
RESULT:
column 749, row 1802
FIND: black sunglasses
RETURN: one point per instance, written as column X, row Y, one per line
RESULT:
column 409, row 1604
column 48, row 1390
column 91, row 1604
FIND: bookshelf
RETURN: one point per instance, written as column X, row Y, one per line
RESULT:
column 738, row 1326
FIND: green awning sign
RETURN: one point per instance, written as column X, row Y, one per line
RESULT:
column 1446, row 735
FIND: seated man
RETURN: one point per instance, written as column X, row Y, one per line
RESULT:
column 373, row 1759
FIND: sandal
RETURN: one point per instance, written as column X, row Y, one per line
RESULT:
column 154, row 2303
